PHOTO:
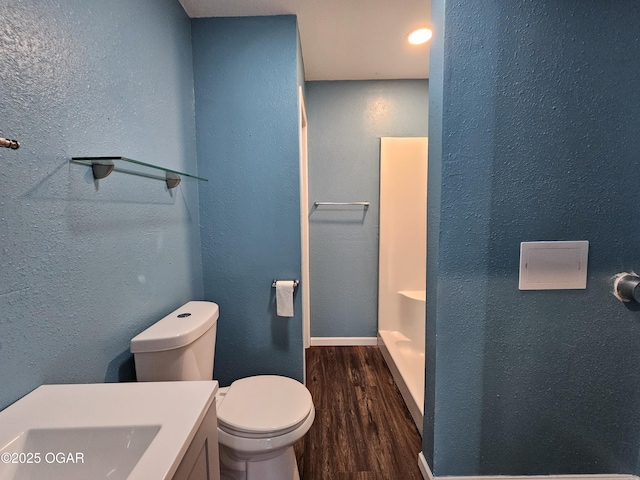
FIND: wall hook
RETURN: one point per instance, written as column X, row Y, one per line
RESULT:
column 12, row 144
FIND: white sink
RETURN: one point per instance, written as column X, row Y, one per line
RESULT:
column 98, row 452
column 111, row 431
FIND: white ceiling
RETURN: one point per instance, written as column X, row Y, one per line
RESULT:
column 343, row 39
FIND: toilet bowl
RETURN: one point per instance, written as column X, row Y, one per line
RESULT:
column 259, row 420
column 259, row 417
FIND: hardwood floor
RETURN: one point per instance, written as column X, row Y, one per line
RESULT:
column 362, row 429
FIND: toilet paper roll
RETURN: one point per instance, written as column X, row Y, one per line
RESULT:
column 284, row 298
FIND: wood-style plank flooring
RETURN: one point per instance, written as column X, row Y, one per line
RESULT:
column 362, row 429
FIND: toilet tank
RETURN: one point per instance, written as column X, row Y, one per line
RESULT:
column 178, row 347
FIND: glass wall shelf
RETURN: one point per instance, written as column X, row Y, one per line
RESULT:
column 103, row 166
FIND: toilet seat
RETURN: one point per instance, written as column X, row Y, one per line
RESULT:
column 264, row 406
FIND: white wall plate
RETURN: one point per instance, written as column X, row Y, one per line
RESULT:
column 553, row 265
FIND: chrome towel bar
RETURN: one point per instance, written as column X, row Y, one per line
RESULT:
column 364, row 204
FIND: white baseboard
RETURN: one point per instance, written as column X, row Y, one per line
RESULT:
column 342, row 341
column 424, row 467
column 428, row 475
column 613, row 476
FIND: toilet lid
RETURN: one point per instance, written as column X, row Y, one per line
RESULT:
column 264, row 404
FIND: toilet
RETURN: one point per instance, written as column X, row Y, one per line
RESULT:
column 259, row 417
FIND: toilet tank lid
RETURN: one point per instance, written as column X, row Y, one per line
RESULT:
column 179, row 328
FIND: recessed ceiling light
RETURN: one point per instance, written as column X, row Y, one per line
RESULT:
column 419, row 36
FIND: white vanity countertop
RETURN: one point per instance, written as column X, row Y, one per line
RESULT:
column 177, row 408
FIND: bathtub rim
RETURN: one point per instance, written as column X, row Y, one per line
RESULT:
column 410, row 402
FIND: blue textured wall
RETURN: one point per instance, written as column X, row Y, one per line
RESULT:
column 346, row 121
column 540, row 141
column 246, row 90
column 84, row 267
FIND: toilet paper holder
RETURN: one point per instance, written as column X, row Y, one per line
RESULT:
column 296, row 282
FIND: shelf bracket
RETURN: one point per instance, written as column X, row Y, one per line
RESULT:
column 173, row 180
column 102, row 169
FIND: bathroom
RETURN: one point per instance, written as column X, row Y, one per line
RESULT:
column 528, row 141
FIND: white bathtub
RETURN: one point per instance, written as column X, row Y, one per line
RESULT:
column 405, row 358
column 402, row 265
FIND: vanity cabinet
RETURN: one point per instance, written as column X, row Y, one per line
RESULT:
column 201, row 460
